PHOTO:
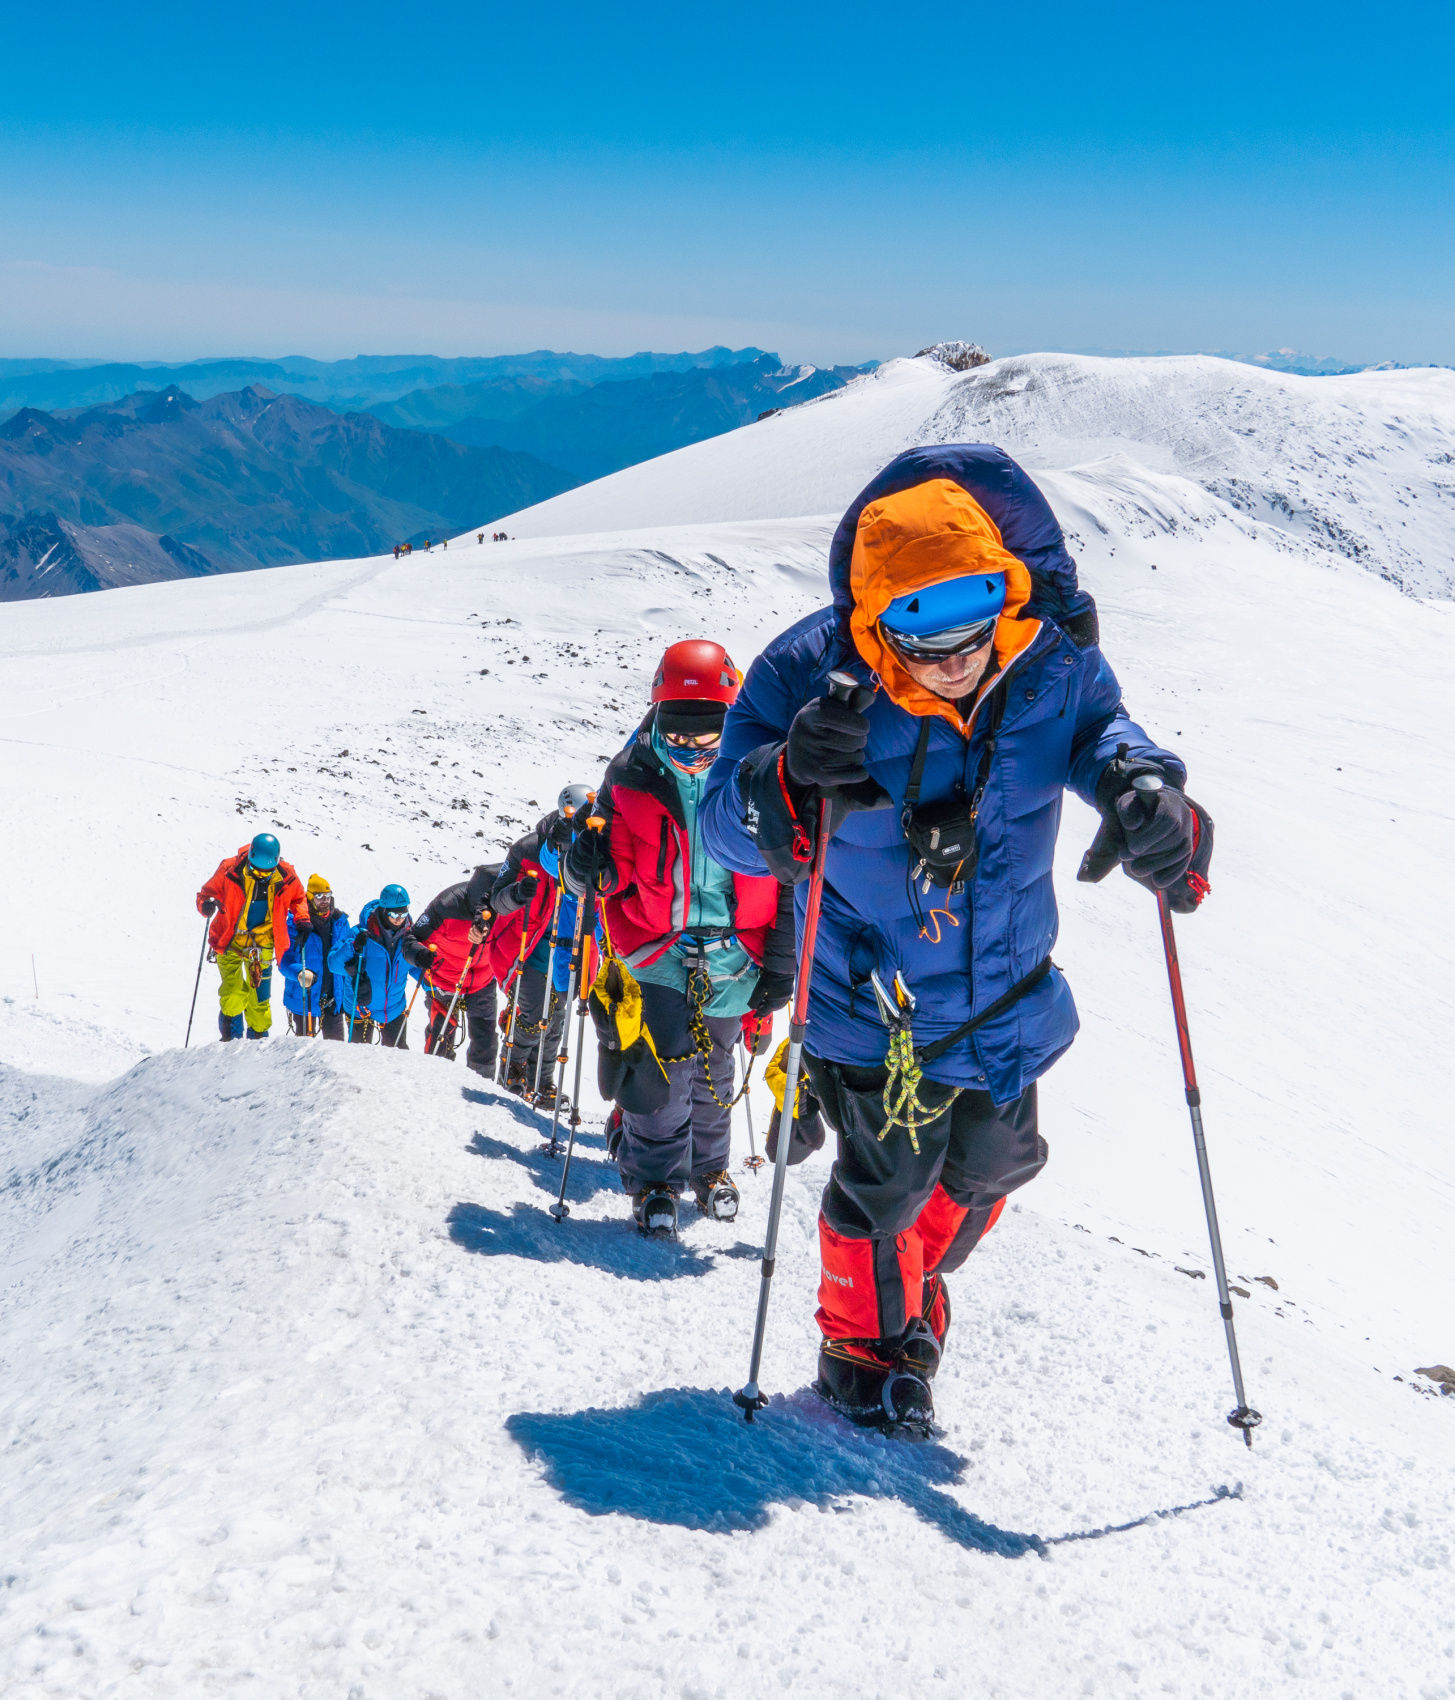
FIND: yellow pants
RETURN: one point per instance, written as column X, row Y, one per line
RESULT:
column 238, row 995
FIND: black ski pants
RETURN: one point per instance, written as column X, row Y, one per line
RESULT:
column 477, row 1011
column 329, row 1025
column 391, row 1033
column 889, row 1218
column 691, row 1136
column 529, row 1031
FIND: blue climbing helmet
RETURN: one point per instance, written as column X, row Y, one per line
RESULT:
column 394, row 900
column 947, row 618
column 263, row 852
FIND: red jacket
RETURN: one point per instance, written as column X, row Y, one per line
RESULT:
column 648, row 903
column 535, row 918
column 450, row 942
column 228, row 889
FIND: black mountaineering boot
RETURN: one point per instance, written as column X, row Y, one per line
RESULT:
column 655, row 1208
column 867, row 1382
column 717, row 1195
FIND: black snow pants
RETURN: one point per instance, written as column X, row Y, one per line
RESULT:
column 691, row 1136
column 477, row 1011
column 529, row 1033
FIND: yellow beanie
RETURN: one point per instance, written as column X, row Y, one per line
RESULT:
column 317, row 883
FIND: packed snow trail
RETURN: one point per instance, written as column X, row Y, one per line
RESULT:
column 311, row 1396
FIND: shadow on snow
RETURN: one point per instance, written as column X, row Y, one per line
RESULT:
column 647, row 1461
column 613, row 1245
column 589, row 1175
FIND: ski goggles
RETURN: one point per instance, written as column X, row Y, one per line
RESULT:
column 394, row 917
column 939, row 646
column 321, row 900
column 693, row 749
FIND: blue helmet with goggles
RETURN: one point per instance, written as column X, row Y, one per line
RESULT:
column 945, row 619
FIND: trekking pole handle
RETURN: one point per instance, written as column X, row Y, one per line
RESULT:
column 1106, row 848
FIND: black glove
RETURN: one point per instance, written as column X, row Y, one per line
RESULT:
column 559, row 834
column 512, row 897
column 826, row 744
column 301, row 930
column 771, row 993
column 1162, row 838
column 589, row 863
column 363, row 991
column 208, row 906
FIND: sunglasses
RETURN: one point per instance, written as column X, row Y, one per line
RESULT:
column 939, row 646
column 395, row 917
column 705, row 742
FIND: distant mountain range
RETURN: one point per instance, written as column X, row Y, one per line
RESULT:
column 115, row 482
column 589, row 430
column 161, row 485
column 356, row 385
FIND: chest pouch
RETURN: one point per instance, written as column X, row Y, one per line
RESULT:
column 944, row 849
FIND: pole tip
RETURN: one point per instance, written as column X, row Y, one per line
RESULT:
column 749, row 1401
column 1246, row 1419
column 560, row 1211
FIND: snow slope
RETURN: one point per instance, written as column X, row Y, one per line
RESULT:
column 1357, row 467
column 304, row 1394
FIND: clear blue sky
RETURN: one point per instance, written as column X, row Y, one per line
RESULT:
column 836, row 181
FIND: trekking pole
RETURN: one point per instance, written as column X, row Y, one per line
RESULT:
column 459, row 987
column 752, row 1161
column 749, row 1399
column 1244, row 1417
column 560, row 1209
column 1106, row 851
column 500, row 1061
column 201, row 958
column 563, row 1056
column 354, row 1012
column 550, row 993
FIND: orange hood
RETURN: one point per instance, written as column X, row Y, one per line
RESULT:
column 918, row 537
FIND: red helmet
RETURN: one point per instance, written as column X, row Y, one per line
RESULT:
column 696, row 670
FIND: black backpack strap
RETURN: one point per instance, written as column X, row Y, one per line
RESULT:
column 917, row 766
column 932, row 1053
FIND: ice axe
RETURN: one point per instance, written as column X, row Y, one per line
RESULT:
column 845, row 688
column 1107, row 849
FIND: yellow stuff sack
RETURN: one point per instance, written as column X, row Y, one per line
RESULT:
column 628, row 1069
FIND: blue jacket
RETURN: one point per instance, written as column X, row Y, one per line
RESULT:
column 291, row 961
column 1061, row 724
column 387, row 968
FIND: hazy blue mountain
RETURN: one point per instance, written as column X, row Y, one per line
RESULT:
column 352, row 385
column 245, row 479
column 44, row 555
column 590, row 432
column 444, row 406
